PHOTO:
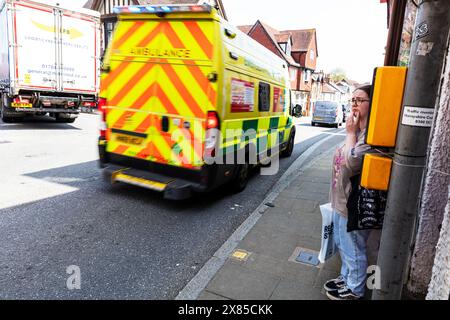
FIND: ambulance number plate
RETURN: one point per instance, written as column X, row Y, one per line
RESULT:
column 130, row 138
column 124, row 138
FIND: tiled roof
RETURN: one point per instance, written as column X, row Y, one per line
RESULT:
column 328, row 89
column 284, row 37
column 300, row 38
column 272, row 32
column 88, row 4
column 245, row 29
column 335, row 86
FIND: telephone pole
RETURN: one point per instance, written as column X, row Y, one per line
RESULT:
column 422, row 86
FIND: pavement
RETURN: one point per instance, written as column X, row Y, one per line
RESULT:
column 271, row 256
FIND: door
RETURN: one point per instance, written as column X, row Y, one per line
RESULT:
column 35, row 50
column 79, row 51
column 158, row 90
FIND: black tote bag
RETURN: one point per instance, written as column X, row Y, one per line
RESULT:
column 365, row 207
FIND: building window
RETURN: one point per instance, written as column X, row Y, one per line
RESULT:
column 293, row 74
column 306, row 75
column 311, row 55
column 264, row 97
column 288, row 48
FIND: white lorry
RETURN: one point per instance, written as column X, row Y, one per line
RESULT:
column 49, row 60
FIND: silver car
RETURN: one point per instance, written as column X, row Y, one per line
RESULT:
column 327, row 112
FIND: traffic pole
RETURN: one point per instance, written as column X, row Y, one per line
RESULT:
column 428, row 52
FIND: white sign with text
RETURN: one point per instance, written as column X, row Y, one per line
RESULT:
column 418, row 117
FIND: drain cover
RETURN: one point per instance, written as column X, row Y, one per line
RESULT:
column 308, row 258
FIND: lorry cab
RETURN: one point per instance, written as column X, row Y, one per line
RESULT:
column 182, row 93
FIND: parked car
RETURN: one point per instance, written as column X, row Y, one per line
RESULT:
column 327, row 112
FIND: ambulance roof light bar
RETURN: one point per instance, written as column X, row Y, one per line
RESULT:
column 163, row 9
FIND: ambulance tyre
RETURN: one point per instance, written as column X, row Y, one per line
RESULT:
column 290, row 146
column 240, row 181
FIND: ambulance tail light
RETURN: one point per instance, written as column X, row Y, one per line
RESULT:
column 102, row 102
column 212, row 120
column 212, row 133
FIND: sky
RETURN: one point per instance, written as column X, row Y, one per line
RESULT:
column 351, row 34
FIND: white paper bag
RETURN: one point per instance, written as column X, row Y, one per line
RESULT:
column 328, row 247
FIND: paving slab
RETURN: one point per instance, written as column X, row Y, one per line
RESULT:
column 239, row 283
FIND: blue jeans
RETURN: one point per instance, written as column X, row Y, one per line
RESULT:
column 352, row 248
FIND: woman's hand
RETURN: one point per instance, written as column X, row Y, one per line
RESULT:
column 352, row 123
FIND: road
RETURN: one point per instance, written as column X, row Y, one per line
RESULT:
column 128, row 242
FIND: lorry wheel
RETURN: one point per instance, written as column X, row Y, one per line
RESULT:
column 240, row 181
column 6, row 119
column 290, row 146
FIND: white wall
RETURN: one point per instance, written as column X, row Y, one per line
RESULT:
column 434, row 198
column 439, row 288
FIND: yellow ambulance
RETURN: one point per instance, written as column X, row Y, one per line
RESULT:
column 183, row 94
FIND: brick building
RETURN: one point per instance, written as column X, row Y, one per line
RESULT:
column 298, row 48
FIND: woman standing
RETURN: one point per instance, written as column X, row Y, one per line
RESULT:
column 347, row 162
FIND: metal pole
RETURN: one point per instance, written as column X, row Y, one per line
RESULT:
column 422, row 86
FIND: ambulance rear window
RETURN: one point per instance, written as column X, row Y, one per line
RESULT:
column 264, row 96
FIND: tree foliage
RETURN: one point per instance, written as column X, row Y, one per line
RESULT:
column 337, row 75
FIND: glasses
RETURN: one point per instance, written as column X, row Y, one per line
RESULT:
column 357, row 101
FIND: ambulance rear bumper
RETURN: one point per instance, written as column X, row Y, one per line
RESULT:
column 178, row 183
column 172, row 188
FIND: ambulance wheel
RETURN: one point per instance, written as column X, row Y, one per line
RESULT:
column 290, row 146
column 240, row 181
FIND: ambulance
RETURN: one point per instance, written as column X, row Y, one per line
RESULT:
column 183, row 94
